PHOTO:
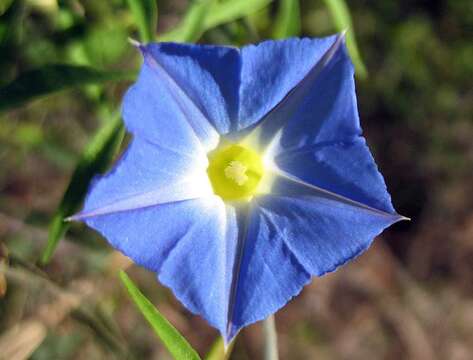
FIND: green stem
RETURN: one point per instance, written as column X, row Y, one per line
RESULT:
column 270, row 339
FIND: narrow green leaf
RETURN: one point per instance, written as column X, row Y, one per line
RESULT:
column 288, row 19
column 4, row 5
column 145, row 13
column 342, row 20
column 192, row 26
column 3, row 267
column 95, row 159
column 207, row 14
column 230, row 10
column 174, row 342
column 10, row 31
column 50, row 79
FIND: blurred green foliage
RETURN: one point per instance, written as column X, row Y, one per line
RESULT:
column 288, row 20
column 342, row 20
column 94, row 160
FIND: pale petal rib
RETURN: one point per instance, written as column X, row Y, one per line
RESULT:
column 190, row 188
column 243, row 218
column 302, row 188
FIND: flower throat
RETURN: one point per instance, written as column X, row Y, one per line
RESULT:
column 235, row 172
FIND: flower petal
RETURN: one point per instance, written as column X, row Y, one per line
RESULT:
column 345, row 168
column 152, row 111
column 207, row 75
column 321, row 232
column 329, row 110
column 200, row 268
column 292, row 237
column 147, row 175
column 327, row 203
column 271, row 69
column 320, row 141
column 266, row 276
column 189, row 244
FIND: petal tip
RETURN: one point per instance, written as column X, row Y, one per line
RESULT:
column 337, row 44
column 403, row 218
column 228, row 340
column 398, row 217
column 228, row 335
column 75, row 217
column 135, row 43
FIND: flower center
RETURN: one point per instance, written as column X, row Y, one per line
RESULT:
column 235, row 172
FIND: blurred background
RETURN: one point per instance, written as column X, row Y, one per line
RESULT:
column 408, row 297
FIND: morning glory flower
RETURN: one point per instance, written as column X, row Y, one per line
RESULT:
column 246, row 176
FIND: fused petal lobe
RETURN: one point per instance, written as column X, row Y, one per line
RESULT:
column 290, row 239
column 329, row 111
column 200, row 268
column 268, row 276
column 150, row 111
column 271, row 69
column 323, row 232
column 345, row 168
column 208, row 76
column 147, row 175
column 189, row 244
column 320, row 142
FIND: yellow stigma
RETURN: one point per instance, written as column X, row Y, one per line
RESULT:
column 235, row 172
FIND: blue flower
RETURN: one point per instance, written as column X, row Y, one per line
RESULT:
column 246, row 176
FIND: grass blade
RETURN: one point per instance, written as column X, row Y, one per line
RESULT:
column 53, row 78
column 342, row 20
column 3, row 266
column 145, row 13
column 192, row 26
column 94, row 159
column 4, row 5
column 288, row 19
column 208, row 14
column 174, row 342
column 231, row 10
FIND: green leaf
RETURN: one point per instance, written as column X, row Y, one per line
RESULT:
column 145, row 13
column 4, row 5
column 10, row 32
column 174, row 342
column 95, row 159
column 207, row 14
column 50, row 79
column 342, row 20
column 288, row 19
column 192, row 26
column 230, row 10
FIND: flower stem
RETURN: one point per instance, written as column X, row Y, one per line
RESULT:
column 270, row 339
